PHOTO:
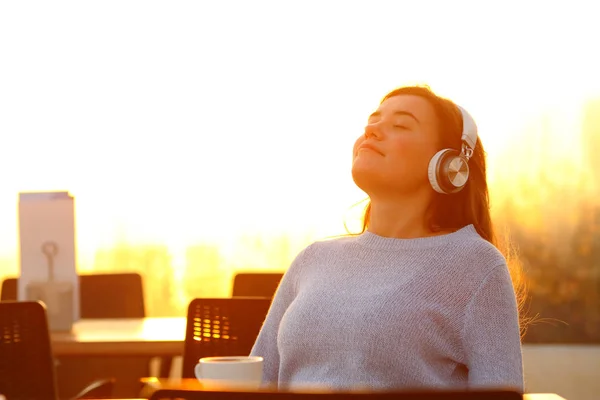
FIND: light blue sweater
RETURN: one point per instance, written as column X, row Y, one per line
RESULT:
column 381, row 313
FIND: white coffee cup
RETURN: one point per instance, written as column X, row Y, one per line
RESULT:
column 234, row 372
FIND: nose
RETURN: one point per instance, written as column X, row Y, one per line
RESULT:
column 373, row 130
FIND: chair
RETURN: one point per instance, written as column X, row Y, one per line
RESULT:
column 26, row 362
column 222, row 327
column 170, row 394
column 255, row 284
column 9, row 290
column 125, row 299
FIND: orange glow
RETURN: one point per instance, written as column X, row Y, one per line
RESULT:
column 197, row 146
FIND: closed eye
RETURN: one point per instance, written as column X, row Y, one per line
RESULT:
column 400, row 126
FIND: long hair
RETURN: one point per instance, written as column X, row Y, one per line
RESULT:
column 471, row 205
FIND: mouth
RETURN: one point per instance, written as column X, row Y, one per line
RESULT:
column 367, row 146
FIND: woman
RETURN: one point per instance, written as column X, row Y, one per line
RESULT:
column 421, row 298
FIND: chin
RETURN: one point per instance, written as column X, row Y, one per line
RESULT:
column 365, row 179
column 373, row 181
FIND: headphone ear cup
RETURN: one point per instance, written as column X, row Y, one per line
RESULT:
column 433, row 171
column 448, row 171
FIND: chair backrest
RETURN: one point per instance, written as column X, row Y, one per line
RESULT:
column 9, row 290
column 26, row 363
column 111, row 296
column 101, row 295
column 256, row 284
column 222, row 327
column 166, row 394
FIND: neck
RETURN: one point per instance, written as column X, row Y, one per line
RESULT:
column 403, row 218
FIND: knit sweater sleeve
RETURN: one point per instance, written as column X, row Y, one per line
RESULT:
column 491, row 336
column 266, row 342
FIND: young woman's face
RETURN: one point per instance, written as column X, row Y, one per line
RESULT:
column 393, row 154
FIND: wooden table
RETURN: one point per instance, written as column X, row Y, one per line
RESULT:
column 536, row 396
column 153, row 384
column 125, row 337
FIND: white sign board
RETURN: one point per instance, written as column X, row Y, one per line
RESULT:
column 48, row 253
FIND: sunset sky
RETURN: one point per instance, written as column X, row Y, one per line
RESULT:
column 176, row 122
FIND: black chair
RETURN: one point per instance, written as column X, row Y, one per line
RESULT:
column 165, row 394
column 116, row 295
column 9, row 290
column 222, row 327
column 126, row 299
column 256, row 284
column 26, row 362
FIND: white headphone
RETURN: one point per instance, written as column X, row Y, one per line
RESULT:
column 449, row 168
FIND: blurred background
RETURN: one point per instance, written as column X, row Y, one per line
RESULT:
column 205, row 138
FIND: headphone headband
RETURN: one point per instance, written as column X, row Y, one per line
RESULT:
column 469, row 134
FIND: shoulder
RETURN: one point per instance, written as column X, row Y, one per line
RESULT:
column 330, row 245
column 477, row 254
column 320, row 249
column 319, row 246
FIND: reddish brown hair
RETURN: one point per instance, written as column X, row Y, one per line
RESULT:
column 450, row 212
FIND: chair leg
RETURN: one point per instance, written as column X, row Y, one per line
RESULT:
column 101, row 389
column 165, row 367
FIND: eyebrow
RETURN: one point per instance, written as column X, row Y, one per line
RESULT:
column 396, row 113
